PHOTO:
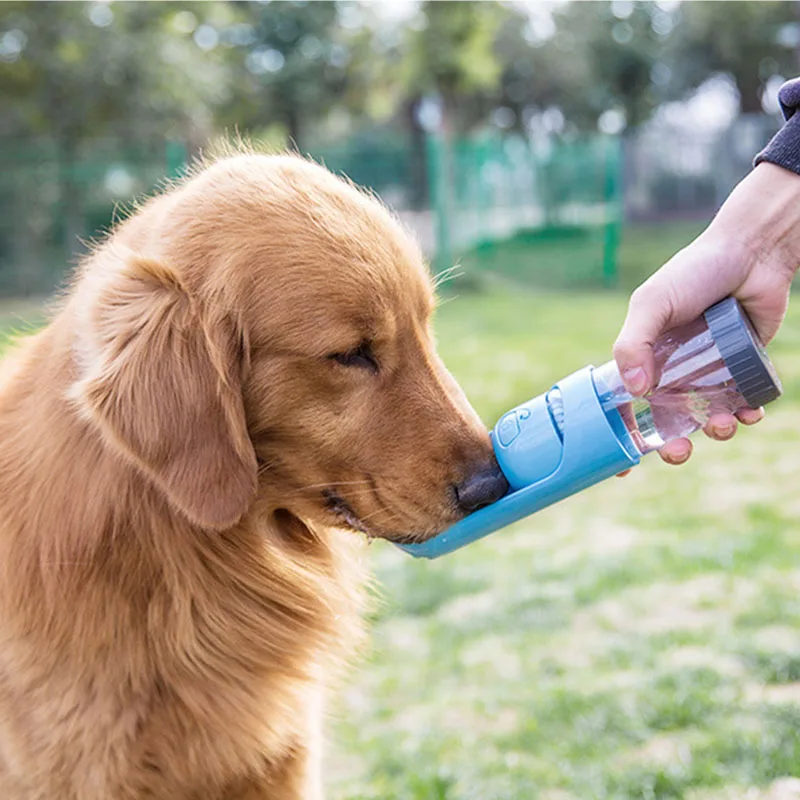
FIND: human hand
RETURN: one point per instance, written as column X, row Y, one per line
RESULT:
column 751, row 250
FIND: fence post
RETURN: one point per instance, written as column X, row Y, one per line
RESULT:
column 484, row 227
column 438, row 174
column 176, row 157
column 613, row 215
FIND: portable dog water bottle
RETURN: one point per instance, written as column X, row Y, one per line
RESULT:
column 588, row 428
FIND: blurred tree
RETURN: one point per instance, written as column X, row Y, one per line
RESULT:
column 614, row 63
column 449, row 73
column 596, row 58
column 84, row 70
column 79, row 72
column 751, row 42
column 293, row 70
column 623, row 51
column 453, row 56
column 188, row 69
column 540, row 72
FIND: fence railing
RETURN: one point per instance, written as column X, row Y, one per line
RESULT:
column 53, row 202
column 489, row 193
column 467, row 199
column 671, row 171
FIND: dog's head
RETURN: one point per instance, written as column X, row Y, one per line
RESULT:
column 267, row 327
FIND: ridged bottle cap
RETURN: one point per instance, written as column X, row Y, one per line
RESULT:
column 743, row 353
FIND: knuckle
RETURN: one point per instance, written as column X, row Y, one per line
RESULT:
column 644, row 295
column 622, row 349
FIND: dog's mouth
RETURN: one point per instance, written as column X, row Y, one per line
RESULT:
column 344, row 512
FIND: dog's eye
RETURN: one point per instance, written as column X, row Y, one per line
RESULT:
column 362, row 357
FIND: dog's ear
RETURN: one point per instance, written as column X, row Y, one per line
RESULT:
column 163, row 380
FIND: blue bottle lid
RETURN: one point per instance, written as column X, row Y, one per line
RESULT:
column 743, row 353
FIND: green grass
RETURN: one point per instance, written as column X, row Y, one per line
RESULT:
column 19, row 316
column 645, row 247
column 640, row 640
column 568, row 258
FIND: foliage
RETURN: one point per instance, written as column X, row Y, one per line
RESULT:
column 595, row 61
column 453, row 55
column 291, row 68
column 750, row 42
column 129, row 70
column 192, row 69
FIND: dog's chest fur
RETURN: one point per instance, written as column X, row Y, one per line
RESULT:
column 199, row 677
column 138, row 656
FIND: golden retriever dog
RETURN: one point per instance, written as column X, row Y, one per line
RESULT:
column 240, row 383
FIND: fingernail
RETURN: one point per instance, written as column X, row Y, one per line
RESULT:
column 726, row 432
column 679, row 459
column 635, row 380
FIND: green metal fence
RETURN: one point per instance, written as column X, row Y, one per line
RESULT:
column 52, row 203
column 547, row 214
column 392, row 168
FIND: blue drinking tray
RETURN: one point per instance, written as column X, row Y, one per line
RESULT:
column 548, row 448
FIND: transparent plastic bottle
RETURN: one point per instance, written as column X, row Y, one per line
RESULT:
column 587, row 427
column 715, row 364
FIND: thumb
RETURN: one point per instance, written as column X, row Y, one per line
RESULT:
column 691, row 281
column 649, row 315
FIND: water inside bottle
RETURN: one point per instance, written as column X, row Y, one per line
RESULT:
column 655, row 420
column 693, row 383
column 667, row 415
column 688, row 394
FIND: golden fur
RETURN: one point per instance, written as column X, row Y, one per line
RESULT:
column 180, row 461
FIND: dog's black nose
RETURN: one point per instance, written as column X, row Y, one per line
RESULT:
column 481, row 488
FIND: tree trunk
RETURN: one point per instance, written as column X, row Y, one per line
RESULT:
column 749, row 86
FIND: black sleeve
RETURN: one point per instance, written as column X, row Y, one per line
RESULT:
column 784, row 148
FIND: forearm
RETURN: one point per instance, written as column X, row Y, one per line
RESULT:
column 762, row 215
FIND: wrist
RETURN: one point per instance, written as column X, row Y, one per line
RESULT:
column 762, row 216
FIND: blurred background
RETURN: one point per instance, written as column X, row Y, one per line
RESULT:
column 574, row 131
column 641, row 640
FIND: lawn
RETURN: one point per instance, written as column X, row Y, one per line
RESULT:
column 17, row 316
column 570, row 258
column 641, row 640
